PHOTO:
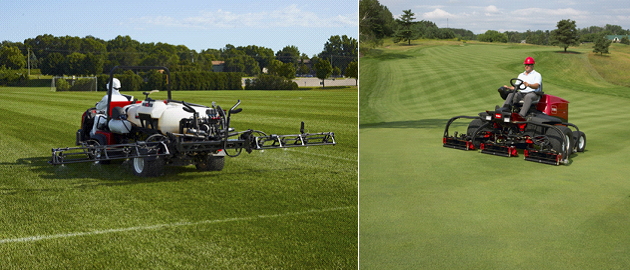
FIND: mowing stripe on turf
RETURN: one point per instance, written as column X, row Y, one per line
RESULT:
column 161, row 226
column 321, row 155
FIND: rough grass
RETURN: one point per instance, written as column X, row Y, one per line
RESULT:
column 424, row 206
column 291, row 209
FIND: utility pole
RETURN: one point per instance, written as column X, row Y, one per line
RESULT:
column 28, row 60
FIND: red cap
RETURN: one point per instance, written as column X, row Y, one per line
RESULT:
column 529, row 61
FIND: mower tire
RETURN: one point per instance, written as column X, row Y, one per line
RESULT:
column 558, row 140
column 211, row 163
column 148, row 167
column 580, row 141
column 474, row 127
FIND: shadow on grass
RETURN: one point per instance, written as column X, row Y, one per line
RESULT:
column 568, row 52
column 381, row 55
column 422, row 123
column 117, row 173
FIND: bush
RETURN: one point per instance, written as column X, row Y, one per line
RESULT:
column 12, row 77
column 82, row 85
column 270, row 82
column 206, row 80
column 180, row 80
column 62, row 85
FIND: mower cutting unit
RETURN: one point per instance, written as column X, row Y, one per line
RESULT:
column 545, row 134
column 155, row 133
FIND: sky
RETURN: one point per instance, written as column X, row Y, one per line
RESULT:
column 196, row 24
column 482, row 15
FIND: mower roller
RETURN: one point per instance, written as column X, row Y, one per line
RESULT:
column 544, row 135
column 155, row 133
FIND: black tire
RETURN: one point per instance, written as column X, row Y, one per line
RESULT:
column 580, row 141
column 96, row 140
column 558, row 140
column 211, row 163
column 148, row 167
column 474, row 127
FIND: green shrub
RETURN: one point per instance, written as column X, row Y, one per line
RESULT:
column 12, row 77
column 270, row 82
column 62, row 85
column 83, row 85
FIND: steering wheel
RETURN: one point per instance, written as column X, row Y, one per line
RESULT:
column 518, row 84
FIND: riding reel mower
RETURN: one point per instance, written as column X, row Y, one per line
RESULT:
column 545, row 134
column 155, row 133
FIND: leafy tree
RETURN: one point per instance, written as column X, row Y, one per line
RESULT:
column 375, row 23
column 405, row 30
column 352, row 71
column 122, row 51
column 53, row 64
column 601, row 45
column 538, row 37
column 242, row 63
column 323, row 70
column 262, row 55
column 340, row 50
column 566, row 35
column 303, row 69
column 11, row 57
column 277, row 68
column 493, row 36
column 288, row 54
column 93, row 63
column 625, row 40
column 74, row 64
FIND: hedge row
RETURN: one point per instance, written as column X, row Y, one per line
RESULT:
column 76, row 85
column 182, row 80
column 270, row 82
column 12, row 77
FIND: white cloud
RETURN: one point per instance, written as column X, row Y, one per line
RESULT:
column 491, row 9
column 437, row 14
column 290, row 16
column 550, row 12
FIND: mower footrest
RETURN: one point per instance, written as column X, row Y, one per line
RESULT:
column 455, row 143
column 499, row 150
column 543, row 157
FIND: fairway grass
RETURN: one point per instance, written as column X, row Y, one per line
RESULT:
column 273, row 209
column 424, row 206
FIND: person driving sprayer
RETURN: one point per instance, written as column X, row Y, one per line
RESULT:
column 101, row 118
column 533, row 82
column 116, row 95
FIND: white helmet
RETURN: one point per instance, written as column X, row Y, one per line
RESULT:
column 116, row 84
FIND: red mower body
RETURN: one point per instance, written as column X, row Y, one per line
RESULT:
column 554, row 106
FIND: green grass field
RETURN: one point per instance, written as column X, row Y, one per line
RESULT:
column 277, row 209
column 423, row 206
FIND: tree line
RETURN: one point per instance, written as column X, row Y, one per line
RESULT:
column 376, row 23
column 67, row 55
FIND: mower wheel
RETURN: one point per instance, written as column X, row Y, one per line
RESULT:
column 211, row 163
column 558, row 142
column 474, row 127
column 580, row 141
column 148, row 167
column 96, row 140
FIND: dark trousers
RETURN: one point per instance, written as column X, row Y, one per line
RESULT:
column 528, row 99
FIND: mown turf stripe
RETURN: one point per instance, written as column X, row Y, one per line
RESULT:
column 166, row 225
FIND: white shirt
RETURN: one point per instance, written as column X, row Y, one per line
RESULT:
column 531, row 78
column 116, row 96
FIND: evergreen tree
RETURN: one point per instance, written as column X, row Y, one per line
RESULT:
column 601, row 45
column 406, row 31
column 566, row 35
